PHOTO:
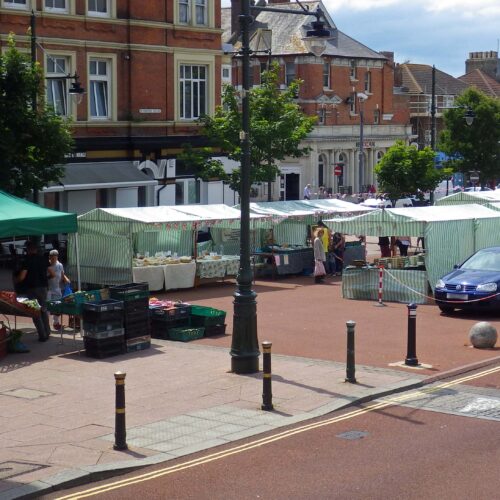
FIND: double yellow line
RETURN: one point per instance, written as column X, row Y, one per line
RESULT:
column 276, row 437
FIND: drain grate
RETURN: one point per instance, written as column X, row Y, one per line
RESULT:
column 25, row 393
column 352, row 435
column 12, row 469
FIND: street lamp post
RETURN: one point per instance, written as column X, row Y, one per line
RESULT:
column 245, row 345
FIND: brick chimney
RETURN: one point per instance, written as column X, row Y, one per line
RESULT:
column 488, row 62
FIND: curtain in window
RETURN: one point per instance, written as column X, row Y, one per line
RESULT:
column 184, row 9
column 201, row 11
column 98, row 99
column 56, row 96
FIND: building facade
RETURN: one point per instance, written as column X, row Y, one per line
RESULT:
column 149, row 70
column 349, row 88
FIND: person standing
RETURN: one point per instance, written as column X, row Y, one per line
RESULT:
column 338, row 245
column 319, row 257
column 307, row 192
column 57, row 279
column 403, row 243
column 384, row 243
column 33, row 278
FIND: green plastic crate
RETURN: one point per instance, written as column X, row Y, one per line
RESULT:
column 185, row 334
column 206, row 316
column 73, row 304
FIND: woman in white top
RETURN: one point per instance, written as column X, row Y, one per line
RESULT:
column 319, row 256
column 57, row 280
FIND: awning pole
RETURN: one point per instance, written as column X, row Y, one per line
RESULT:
column 77, row 249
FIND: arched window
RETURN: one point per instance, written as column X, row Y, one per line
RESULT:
column 321, row 170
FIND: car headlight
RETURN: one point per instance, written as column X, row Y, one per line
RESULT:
column 440, row 284
column 487, row 287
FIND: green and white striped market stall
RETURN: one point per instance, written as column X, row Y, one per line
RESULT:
column 490, row 199
column 452, row 233
column 109, row 238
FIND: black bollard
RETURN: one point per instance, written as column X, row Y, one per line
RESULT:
column 120, row 430
column 267, row 395
column 411, row 354
column 350, row 366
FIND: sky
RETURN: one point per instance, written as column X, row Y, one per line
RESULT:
column 434, row 32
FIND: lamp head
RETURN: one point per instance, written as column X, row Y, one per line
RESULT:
column 469, row 116
column 76, row 90
column 362, row 96
column 315, row 39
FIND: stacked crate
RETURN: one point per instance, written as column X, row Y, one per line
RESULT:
column 165, row 320
column 135, row 297
column 103, row 332
column 211, row 319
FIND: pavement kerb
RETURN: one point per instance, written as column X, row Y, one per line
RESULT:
column 74, row 477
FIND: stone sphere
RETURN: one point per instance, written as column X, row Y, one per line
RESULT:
column 483, row 335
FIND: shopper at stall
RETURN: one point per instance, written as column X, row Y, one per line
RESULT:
column 338, row 246
column 33, row 278
column 384, row 242
column 319, row 257
column 57, row 281
column 326, row 239
column 403, row 242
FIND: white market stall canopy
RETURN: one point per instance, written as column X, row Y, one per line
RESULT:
column 452, row 233
column 488, row 198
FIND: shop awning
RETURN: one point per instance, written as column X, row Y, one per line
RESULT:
column 100, row 175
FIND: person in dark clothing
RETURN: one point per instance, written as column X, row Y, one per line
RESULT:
column 32, row 279
column 385, row 246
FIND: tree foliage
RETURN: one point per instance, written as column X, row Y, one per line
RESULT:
column 277, row 127
column 405, row 170
column 33, row 142
column 475, row 146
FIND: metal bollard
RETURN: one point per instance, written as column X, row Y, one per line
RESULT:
column 411, row 353
column 267, row 396
column 120, row 430
column 350, row 366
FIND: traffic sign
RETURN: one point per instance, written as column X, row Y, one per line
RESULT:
column 337, row 170
column 474, row 176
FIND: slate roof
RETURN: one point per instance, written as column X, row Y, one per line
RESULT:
column 418, row 79
column 482, row 81
column 288, row 30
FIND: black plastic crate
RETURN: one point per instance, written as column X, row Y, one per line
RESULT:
column 159, row 329
column 103, row 305
column 135, row 317
column 130, row 291
column 138, row 344
column 103, row 348
column 103, row 317
column 206, row 316
column 212, row 330
column 171, row 314
column 101, row 326
column 135, row 305
column 104, row 334
column 137, row 330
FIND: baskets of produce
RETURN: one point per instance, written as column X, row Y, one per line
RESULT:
column 206, row 316
column 186, row 334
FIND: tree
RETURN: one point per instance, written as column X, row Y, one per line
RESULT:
column 475, row 146
column 404, row 171
column 277, row 126
column 33, row 142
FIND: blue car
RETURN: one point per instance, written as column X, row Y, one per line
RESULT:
column 473, row 285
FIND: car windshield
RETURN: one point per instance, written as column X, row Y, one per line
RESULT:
column 484, row 261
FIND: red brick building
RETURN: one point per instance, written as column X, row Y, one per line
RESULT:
column 149, row 70
column 348, row 84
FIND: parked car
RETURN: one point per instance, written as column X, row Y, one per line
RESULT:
column 473, row 285
column 385, row 203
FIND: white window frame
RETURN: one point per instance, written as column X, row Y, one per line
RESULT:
column 12, row 4
column 326, row 75
column 194, row 82
column 288, row 74
column 448, row 101
column 110, row 78
column 110, row 10
column 353, row 69
column 56, row 9
column 368, row 82
column 187, row 186
column 226, row 79
column 59, row 76
column 192, row 8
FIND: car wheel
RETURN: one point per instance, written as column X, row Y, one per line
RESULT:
column 446, row 309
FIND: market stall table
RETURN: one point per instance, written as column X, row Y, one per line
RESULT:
column 154, row 276
column 399, row 285
column 180, row 275
column 287, row 261
column 210, row 267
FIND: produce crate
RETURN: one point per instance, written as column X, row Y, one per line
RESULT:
column 215, row 330
column 185, row 334
column 131, row 291
column 103, row 348
column 137, row 330
column 173, row 313
column 104, row 334
column 160, row 329
column 101, row 326
column 135, row 305
column 104, row 306
column 141, row 316
column 138, row 344
column 206, row 316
